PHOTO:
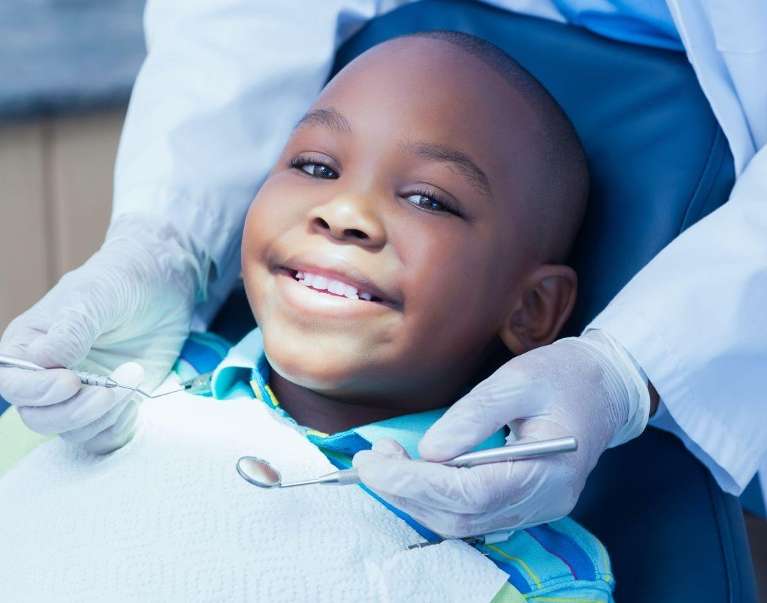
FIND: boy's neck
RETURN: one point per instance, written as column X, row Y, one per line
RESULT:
column 331, row 415
column 325, row 414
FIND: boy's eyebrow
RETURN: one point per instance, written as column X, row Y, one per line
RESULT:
column 438, row 152
column 331, row 118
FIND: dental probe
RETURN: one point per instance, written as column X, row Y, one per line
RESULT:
column 85, row 378
column 196, row 385
column 260, row 473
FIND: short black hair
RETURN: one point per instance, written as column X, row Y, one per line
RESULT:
column 560, row 191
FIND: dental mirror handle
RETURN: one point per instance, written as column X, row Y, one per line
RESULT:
column 85, row 378
column 345, row 477
column 512, row 452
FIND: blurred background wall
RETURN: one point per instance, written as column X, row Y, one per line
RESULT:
column 66, row 71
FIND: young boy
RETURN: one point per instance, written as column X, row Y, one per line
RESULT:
column 414, row 224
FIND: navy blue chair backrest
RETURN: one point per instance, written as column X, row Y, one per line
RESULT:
column 657, row 157
column 659, row 162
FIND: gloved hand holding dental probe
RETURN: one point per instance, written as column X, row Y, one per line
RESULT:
column 588, row 387
column 132, row 300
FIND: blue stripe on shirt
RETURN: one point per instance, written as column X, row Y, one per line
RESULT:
column 566, row 549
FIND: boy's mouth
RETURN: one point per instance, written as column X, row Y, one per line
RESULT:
column 313, row 294
column 335, row 278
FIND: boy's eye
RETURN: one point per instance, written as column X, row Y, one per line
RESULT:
column 314, row 168
column 430, row 202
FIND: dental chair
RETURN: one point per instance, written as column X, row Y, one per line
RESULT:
column 659, row 162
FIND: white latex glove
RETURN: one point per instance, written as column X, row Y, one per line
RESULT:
column 132, row 300
column 588, row 387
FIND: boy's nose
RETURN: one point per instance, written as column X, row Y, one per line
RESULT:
column 348, row 219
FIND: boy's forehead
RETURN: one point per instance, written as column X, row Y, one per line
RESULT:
column 418, row 68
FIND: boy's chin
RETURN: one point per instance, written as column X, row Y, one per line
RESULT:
column 322, row 377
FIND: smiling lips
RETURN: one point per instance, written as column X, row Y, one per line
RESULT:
column 333, row 289
column 336, row 277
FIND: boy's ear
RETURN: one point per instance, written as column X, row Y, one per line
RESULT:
column 544, row 304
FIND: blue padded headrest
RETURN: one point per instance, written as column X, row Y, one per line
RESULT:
column 657, row 157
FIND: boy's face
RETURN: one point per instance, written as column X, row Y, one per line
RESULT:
column 406, row 180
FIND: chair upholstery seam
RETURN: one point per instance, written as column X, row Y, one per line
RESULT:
column 722, row 525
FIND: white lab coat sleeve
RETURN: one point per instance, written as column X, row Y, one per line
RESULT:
column 223, row 84
column 695, row 319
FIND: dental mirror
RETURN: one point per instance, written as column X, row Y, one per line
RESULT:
column 258, row 472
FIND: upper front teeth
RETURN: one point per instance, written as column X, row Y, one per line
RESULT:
column 323, row 283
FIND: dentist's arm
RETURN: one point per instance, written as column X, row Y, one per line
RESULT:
column 223, row 83
column 694, row 319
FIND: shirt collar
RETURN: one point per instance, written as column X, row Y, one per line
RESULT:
column 245, row 369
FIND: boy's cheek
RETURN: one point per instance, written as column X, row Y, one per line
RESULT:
column 263, row 225
column 250, row 233
column 250, row 266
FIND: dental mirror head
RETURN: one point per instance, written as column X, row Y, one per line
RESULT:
column 258, row 472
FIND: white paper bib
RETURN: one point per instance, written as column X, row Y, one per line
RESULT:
column 167, row 518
